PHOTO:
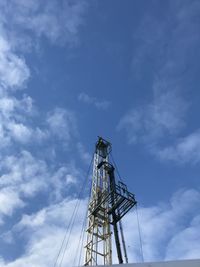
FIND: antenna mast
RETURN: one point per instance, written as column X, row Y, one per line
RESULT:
column 109, row 202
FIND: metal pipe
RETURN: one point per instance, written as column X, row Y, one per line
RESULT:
column 115, row 228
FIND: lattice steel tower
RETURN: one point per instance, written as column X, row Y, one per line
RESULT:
column 109, row 202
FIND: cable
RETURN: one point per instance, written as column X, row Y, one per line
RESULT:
column 84, row 225
column 85, row 221
column 72, row 220
column 77, row 207
column 115, row 165
column 123, row 241
column 81, row 239
column 140, row 237
column 66, row 245
column 138, row 223
column 65, row 236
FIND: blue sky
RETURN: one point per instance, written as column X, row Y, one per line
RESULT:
column 73, row 70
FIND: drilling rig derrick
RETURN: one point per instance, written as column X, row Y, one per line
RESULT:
column 109, row 202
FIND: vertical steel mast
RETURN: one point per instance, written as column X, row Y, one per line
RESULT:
column 98, row 246
column 109, row 202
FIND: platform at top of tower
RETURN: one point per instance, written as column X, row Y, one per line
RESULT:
column 179, row 263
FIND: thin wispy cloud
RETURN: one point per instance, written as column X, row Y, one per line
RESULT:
column 99, row 104
column 63, row 18
column 152, row 122
column 186, row 150
column 86, row 156
column 62, row 124
column 169, row 50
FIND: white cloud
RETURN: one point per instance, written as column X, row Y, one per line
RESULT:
column 24, row 176
column 186, row 150
column 9, row 201
column 13, row 69
column 5, row 140
column 13, row 107
column 49, row 227
column 19, row 132
column 63, row 18
column 62, row 124
column 14, row 126
column 23, row 171
column 31, row 17
column 163, row 117
column 7, row 105
column 85, row 156
column 168, row 230
column 186, row 243
column 13, row 75
column 100, row 104
column 64, row 179
column 20, row 176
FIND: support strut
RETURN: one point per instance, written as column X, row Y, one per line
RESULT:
column 110, row 170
